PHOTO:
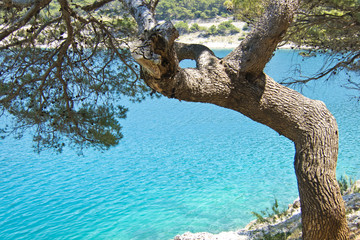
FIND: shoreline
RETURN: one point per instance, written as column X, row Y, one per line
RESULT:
column 288, row 224
column 223, row 42
column 219, row 42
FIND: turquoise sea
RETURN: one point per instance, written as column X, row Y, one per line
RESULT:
column 181, row 167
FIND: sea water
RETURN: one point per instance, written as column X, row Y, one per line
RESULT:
column 180, row 167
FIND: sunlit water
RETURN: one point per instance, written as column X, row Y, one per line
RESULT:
column 181, row 167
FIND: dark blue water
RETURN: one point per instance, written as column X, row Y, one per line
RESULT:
column 181, row 167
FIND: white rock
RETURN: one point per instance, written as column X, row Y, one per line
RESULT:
column 291, row 223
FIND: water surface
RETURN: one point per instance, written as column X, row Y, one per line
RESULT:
column 181, row 167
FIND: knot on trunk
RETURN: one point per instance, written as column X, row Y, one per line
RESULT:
column 154, row 50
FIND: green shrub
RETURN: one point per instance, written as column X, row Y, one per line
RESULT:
column 227, row 28
column 190, row 9
column 182, row 27
column 266, row 216
column 343, row 184
column 277, row 236
column 260, row 217
column 212, row 30
column 346, row 183
column 194, row 28
column 245, row 27
column 224, row 28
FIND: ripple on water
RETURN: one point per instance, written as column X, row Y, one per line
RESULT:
column 181, row 167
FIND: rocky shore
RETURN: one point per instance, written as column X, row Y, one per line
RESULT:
column 286, row 227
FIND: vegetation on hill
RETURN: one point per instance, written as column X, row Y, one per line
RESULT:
column 223, row 29
column 190, row 9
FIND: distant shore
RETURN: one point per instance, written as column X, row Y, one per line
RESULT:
column 221, row 42
column 218, row 41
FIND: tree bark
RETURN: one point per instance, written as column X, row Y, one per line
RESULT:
column 238, row 82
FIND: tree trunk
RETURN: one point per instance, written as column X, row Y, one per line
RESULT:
column 323, row 214
column 237, row 82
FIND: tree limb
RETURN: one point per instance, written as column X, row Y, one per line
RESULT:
column 37, row 5
column 95, row 5
column 193, row 52
column 142, row 14
column 257, row 48
column 32, row 37
column 328, row 71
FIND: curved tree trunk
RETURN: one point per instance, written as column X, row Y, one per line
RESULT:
column 237, row 82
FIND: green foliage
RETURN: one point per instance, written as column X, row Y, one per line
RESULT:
column 66, row 84
column 190, row 9
column 328, row 24
column 346, row 184
column 260, row 217
column 194, row 28
column 324, row 26
column 182, row 27
column 76, row 108
column 227, row 27
column 267, row 216
column 213, row 30
column 223, row 29
column 277, row 236
column 343, row 184
column 247, row 10
column 245, row 27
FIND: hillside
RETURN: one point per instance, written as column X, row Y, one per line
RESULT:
column 214, row 41
column 191, row 9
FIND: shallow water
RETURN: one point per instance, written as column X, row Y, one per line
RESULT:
column 181, row 167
